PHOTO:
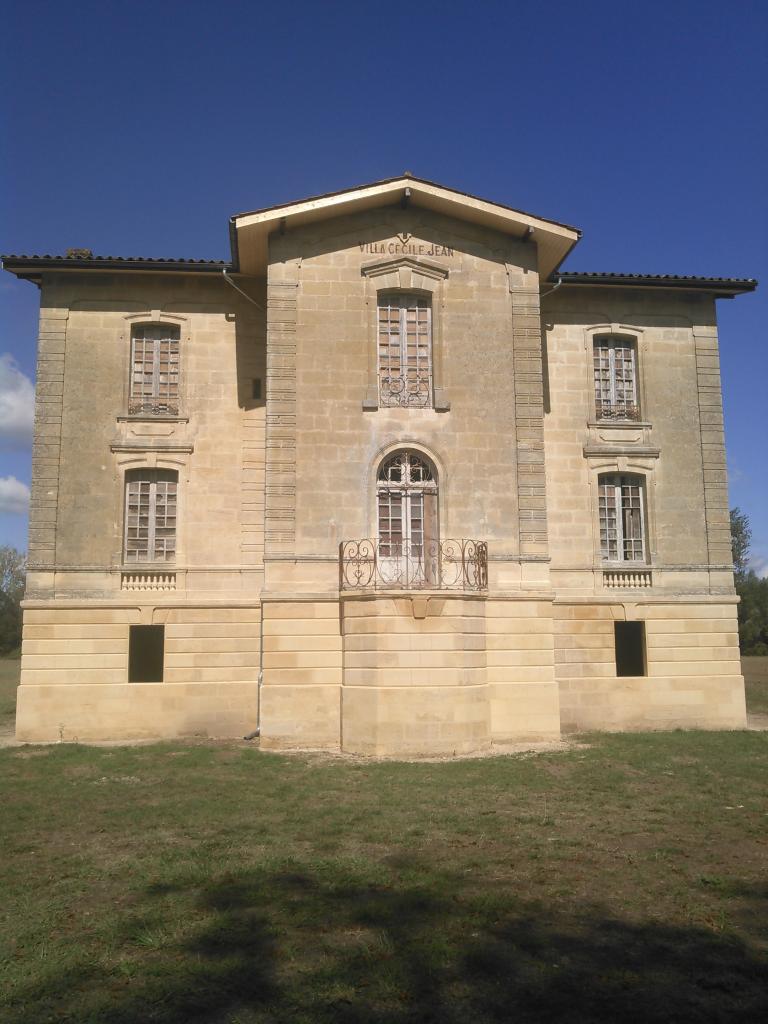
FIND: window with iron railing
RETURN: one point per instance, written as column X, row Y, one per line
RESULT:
column 621, row 501
column 154, row 382
column 150, row 515
column 615, row 373
column 405, row 350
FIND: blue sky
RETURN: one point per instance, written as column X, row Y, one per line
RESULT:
column 138, row 128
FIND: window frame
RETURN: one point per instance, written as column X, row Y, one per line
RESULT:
column 137, row 476
column 155, row 404
column 615, row 409
column 404, row 274
column 623, row 648
column 414, row 392
column 617, row 481
column 138, row 660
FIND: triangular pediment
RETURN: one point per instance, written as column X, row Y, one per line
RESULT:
column 250, row 231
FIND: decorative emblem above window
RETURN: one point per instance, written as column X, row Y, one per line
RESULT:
column 405, row 350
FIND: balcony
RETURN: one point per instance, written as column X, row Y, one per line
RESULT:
column 621, row 411
column 429, row 565
column 627, row 579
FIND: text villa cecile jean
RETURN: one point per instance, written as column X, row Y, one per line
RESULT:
column 404, row 249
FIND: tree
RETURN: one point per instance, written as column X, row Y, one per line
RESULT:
column 741, row 535
column 13, row 569
column 752, row 591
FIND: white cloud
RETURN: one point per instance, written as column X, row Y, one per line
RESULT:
column 759, row 565
column 17, row 405
column 14, row 496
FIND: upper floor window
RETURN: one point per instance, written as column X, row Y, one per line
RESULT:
column 405, row 350
column 615, row 363
column 622, row 518
column 150, row 515
column 154, row 370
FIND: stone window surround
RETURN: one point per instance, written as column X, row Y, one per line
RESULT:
column 405, row 274
column 634, row 335
column 156, row 317
column 150, row 460
column 613, row 487
column 441, row 479
column 623, row 464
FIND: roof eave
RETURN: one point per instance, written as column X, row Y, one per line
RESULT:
column 724, row 288
column 555, row 240
column 32, row 266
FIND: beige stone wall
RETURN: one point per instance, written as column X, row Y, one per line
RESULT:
column 323, row 445
column 679, row 447
column 523, row 691
column 693, row 676
column 74, row 673
column 216, row 444
column 301, row 695
column 269, row 487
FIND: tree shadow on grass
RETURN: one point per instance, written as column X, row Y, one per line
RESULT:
column 329, row 945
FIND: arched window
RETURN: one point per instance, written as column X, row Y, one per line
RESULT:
column 615, row 369
column 621, row 500
column 154, row 370
column 150, row 515
column 408, row 537
column 405, row 349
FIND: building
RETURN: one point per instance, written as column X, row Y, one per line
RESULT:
column 388, row 481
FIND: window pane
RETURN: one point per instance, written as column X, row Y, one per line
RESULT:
column 405, row 350
column 622, row 527
column 150, row 516
column 155, row 369
column 615, row 376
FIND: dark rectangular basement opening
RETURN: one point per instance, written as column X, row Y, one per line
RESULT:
column 629, row 638
column 146, row 654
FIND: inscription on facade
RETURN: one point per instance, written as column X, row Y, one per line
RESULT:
column 407, row 248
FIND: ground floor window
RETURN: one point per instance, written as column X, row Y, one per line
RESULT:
column 146, row 654
column 629, row 638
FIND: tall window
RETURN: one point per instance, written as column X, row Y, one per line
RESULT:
column 615, row 363
column 154, row 370
column 150, row 515
column 405, row 350
column 407, row 512
column 622, row 518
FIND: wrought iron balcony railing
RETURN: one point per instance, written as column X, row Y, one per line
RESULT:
column 431, row 565
column 407, row 390
column 617, row 411
column 152, row 407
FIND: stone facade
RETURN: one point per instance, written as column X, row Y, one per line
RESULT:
column 282, row 425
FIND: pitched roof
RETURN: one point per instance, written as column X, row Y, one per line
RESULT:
column 27, row 265
column 725, row 285
column 250, row 231
column 389, row 181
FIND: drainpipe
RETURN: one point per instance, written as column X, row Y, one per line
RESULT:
column 257, row 731
column 542, row 294
column 237, row 288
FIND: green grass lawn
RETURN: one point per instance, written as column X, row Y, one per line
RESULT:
column 622, row 881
